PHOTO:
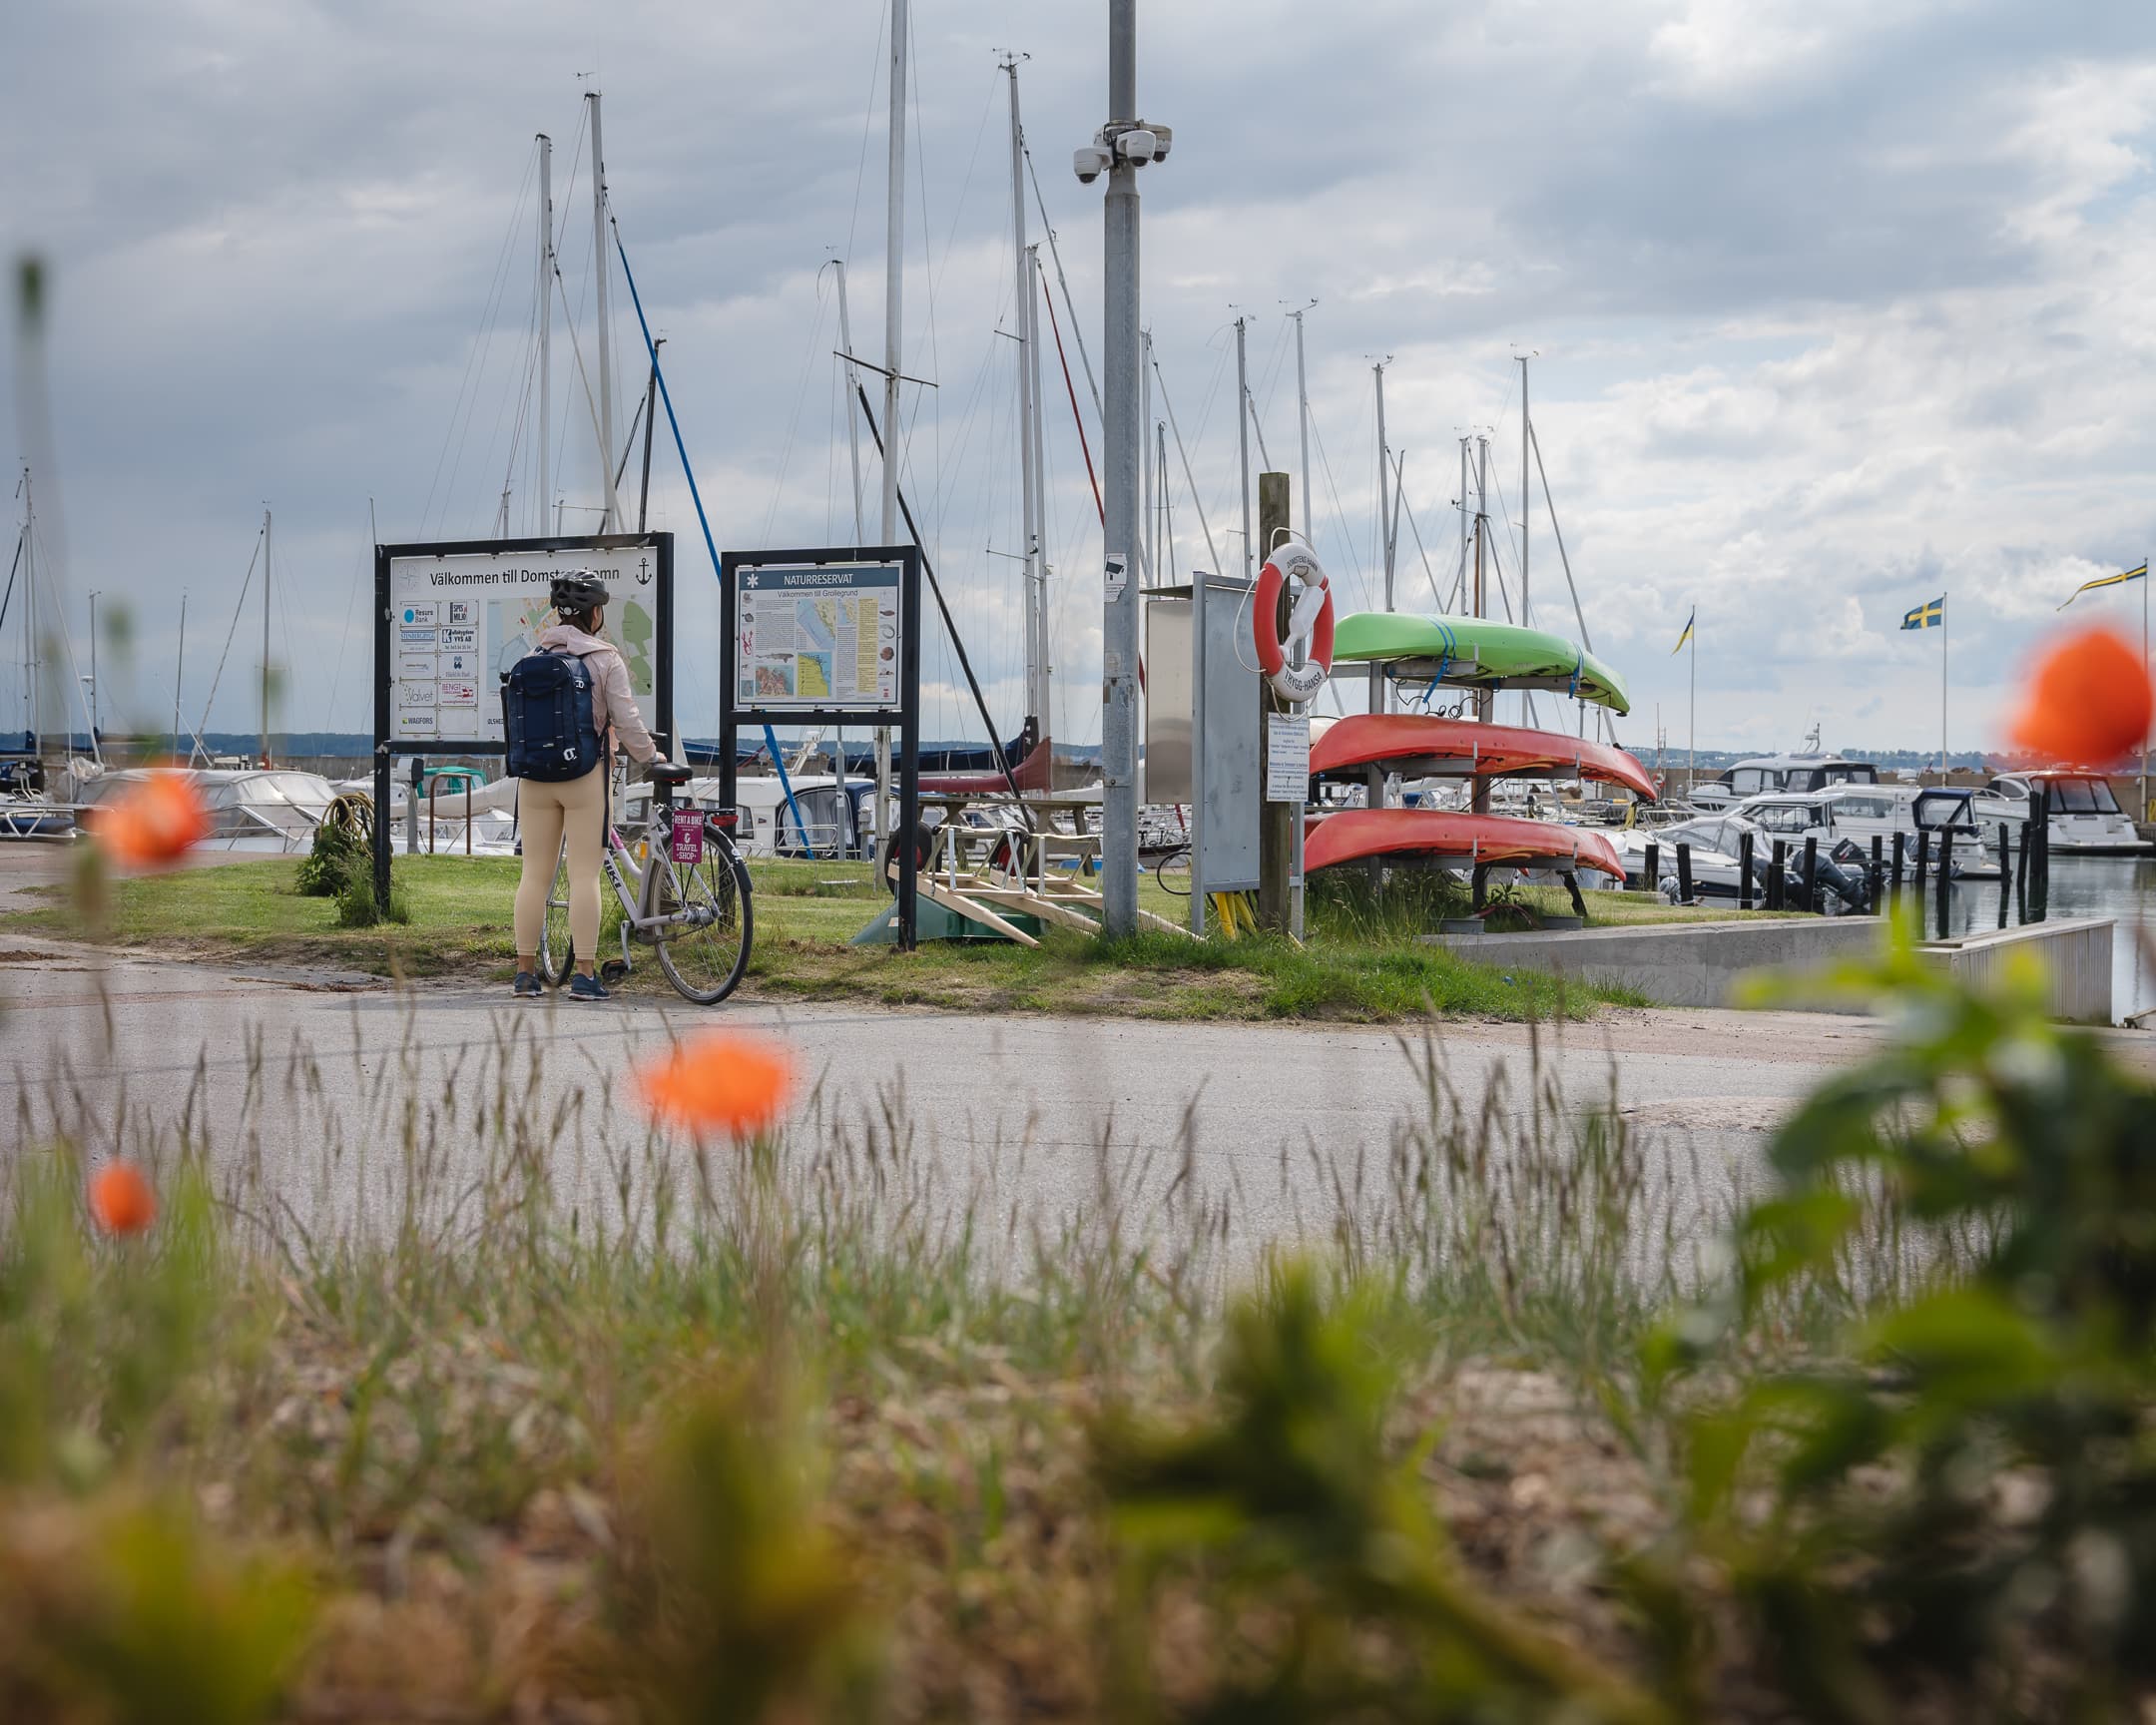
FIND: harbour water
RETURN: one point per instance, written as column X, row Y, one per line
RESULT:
column 2123, row 887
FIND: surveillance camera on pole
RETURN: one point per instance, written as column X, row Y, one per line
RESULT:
column 1124, row 144
column 1118, row 144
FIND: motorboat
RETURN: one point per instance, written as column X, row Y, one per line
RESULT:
column 271, row 811
column 2082, row 814
column 1765, row 774
column 1856, row 813
column 1714, row 845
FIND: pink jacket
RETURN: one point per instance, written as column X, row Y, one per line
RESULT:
column 614, row 708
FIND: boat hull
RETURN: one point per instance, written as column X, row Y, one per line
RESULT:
column 1465, row 840
column 1426, row 745
column 1474, row 653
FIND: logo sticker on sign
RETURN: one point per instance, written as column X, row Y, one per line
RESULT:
column 687, row 846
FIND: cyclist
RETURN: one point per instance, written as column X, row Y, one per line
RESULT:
column 575, row 807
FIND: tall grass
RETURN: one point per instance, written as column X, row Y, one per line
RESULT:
column 500, row 1398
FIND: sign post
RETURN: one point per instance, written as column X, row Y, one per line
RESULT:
column 826, row 637
column 452, row 618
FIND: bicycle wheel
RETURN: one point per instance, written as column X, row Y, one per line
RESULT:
column 703, row 959
column 555, row 956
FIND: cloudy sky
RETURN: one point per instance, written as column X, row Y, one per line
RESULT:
column 1837, row 305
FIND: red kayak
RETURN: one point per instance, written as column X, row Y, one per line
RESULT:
column 1461, row 839
column 1423, row 744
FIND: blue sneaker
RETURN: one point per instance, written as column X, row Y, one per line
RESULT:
column 526, row 986
column 583, row 987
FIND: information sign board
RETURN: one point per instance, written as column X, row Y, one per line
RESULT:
column 813, row 637
column 827, row 636
column 1287, row 767
column 460, row 616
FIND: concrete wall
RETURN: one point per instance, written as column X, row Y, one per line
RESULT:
column 1700, row 963
column 2075, row 952
column 1678, row 963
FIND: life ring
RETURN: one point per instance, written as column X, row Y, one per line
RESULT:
column 1309, row 619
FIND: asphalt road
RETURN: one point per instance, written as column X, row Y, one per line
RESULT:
column 293, row 1073
column 336, row 1094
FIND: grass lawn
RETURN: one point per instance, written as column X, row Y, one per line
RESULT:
column 1361, row 963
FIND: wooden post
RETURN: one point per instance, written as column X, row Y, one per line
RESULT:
column 1683, row 872
column 1810, row 871
column 1946, row 875
column 1743, row 871
column 1276, row 820
column 1652, row 868
column 2021, row 890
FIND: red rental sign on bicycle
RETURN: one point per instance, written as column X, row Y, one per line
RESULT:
column 688, row 845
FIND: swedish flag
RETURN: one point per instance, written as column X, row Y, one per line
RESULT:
column 1931, row 616
column 1687, row 635
column 2140, row 574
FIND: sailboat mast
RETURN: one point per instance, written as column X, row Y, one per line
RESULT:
column 266, row 639
column 546, row 322
column 1301, row 385
column 1461, row 577
column 853, row 419
column 30, row 634
column 1384, row 480
column 893, row 343
column 1524, row 512
column 1023, row 329
column 179, row 673
column 1039, row 479
column 1242, row 390
column 610, row 521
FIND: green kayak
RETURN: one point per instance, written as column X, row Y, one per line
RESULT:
column 1473, row 653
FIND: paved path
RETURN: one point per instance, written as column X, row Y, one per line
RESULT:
column 295, row 1074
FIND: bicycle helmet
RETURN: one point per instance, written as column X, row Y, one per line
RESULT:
column 577, row 592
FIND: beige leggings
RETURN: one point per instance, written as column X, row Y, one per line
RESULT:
column 545, row 812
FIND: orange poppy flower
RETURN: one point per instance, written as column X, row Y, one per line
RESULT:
column 152, row 823
column 719, row 1081
column 120, row 1200
column 2089, row 700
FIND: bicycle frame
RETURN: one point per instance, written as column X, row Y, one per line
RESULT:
column 639, row 903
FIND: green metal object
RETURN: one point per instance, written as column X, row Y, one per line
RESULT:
column 1473, row 653
column 933, row 923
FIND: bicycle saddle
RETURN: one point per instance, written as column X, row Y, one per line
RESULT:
column 666, row 773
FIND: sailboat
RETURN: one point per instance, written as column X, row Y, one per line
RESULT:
column 26, row 812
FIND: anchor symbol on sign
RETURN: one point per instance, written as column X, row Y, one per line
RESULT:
column 643, row 572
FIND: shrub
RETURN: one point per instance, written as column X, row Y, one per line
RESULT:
column 1960, row 1487
column 339, row 854
column 357, row 906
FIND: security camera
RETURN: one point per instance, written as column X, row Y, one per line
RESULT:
column 1089, row 161
column 1137, row 144
column 1163, row 137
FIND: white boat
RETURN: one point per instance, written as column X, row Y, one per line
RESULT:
column 269, row 810
column 1852, row 814
column 1765, row 773
column 2083, row 817
column 1716, row 845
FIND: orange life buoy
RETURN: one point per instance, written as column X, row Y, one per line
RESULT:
column 1310, row 621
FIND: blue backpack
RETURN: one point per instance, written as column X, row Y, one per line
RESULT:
column 548, row 720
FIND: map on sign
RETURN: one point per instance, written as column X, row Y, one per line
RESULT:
column 817, row 635
column 459, row 622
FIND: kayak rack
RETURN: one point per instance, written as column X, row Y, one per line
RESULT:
column 997, row 878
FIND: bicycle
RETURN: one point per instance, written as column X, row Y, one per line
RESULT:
column 689, row 899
